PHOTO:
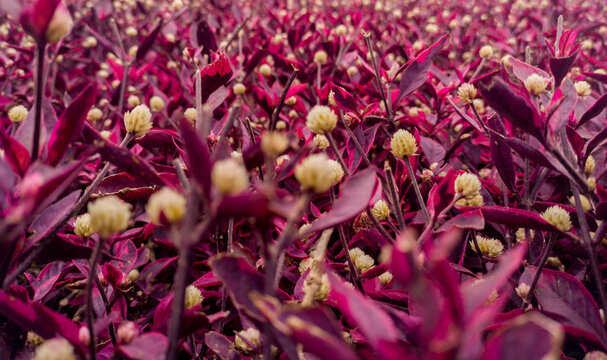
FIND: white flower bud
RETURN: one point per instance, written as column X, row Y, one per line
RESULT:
column 251, row 335
column 17, row 114
column 385, row 278
column 193, row 297
column 55, row 349
column 522, row 290
column 109, row 215
column 491, row 248
column 536, row 84
column 583, row 89
column 558, row 217
column 131, row 31
column 133, row 100
column 60, row 24
column 138, row 120
column 321, row 142
column 84, row 335
column 156, row 103
column 320, row 57
column 82, row 226
column 274, row 143
column 336, row 170
column 468, row 185
column 313, row 173
column 168, row 202
column 265, row 70
column 230, row 177
column 586, row 206
column 403, row 144
column 486, row 52
column 380, row 210
column 190, row 114
column 239, row 89
column 94, row 114
column 127, row 332
column 321, row 119
column 590, row 164
column 362, row 261
column 466, row 92
column 133, row 275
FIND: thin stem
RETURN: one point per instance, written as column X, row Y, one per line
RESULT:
column 318, row 80
column 282, row 99
column 478, row 252
column 38, row 100
column 418, row 193
column 93, row 261
column 108, row 310
column 398, row 213
column 177, row 307
column 355, row 140
column 536, row 277
column 380, row 228
column 337, row 153
column 367, row 37
column 478, row 69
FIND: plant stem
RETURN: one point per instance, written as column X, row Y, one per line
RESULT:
column 337, row 153
column 94, row 259
column 478, row 252
column 282, row 98
column 177, row 307
column 380, row 228
column 398, row 213
column 40, row 49
column 108, row 310
column 367, row 37
column 418, row 193
column 355, row 140
column 536, row 277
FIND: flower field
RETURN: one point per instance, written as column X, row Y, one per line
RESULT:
column 336, row 180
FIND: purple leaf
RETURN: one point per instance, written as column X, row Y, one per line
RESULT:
column 561, row 106
column 523, row 70
column 593, row 111
column 148, row 41
column 202, row 36
column 221, row 345
column 518, row 218
column 432, row 149
column 355, row 196
column 40, row 319
column 468, row 119
column 50, row 218
column 129, row 162
column 560, row 66
column 501, row 153
column 197, row 156
column 366, row 141
column 467, row 220
column 416, row 71
column 561, row 294
column 513, row 105
column 70, row 123
column 595, row 141
column 149, row 346
column 15, row 154
column 344, row 99
column 215, row 75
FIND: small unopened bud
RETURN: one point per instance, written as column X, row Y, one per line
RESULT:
column 82, row 226
column 133, row 275
column 290, row 101
column 337, row 172
column 536, row 84
column 320, row 57
column 362, row 261
column 341, row 30
column 467, row 184
column 491, row 248
column 321, row 119
column 94, row 114
column 265, row 70
column 590, row 164
column 168, row 202
column 591, row 183
column 34, row 338
column 230, row 177
column 403, row 144
column 190, row 114
column 156, row 103
column 17, row 114
column 486, row 51
column 133, row 100
column 251, row 335
column 321, row 142
column 431, row 28
column 558, row 217
column 131, row 31
column 84, row 336
column 239, row 89
column 126, row 332
column 109, row 215
column 138, row 120
column 105, row 134
column 352, row 70
column 586, row 206
column 385, row 278
column 274, row 143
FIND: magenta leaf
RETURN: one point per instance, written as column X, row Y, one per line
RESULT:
column 415, row 73
column 203, row 37
column 50, row 218
column 197, row 156
column 221, row 345
column 467, row 220
column 344, row 99
column 522, row 70
column 215, row 75
column 17, row 156
column 593, row 111
column 501, row 153
column 355, row 196
column 366, row 140
column 35, row 18
column 70, row 124
column 560, row 66
column 517, row 218
column 149, row 346
column 148, row 41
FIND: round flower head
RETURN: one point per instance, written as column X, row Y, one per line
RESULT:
column 590, row 164
column 84, row 335
column 251, row 335
column 17, row 114
column 274, row 143
column 536, row 84
column 90, row 42
column 558, row 217
column 193, row 297
column 522, row 291
column 138, row 120
column 133, row 275
column 336, row 171
column 591, row 183
column 520, row 235
column 320, row 57
column 432, row 28
column 265, row 70
column 341, row 30
column 168, row 202
column 403, row 144
column 34, row 338
column 352, row 70
column 94, row 114
column 321, row 119
column 385, row 278
column 586, row 206
column 314, row 173
column 380, row 210
column 126, row 332
column 230, row 177
column 491, row 248
column 156, row 103
column 190, row 114
column 466, row 92
column 583, row 89
column 239, row 89
column 60, row 24
column 131, row 31
column 362, row 261
column 486, row 51
column 321, row 142
column 55, row 349
column 322, row 293
column 109, row 215
column 468, row 185
column 82, row 226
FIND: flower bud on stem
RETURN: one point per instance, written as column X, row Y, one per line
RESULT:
column 337, row 153
column 418, row 193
